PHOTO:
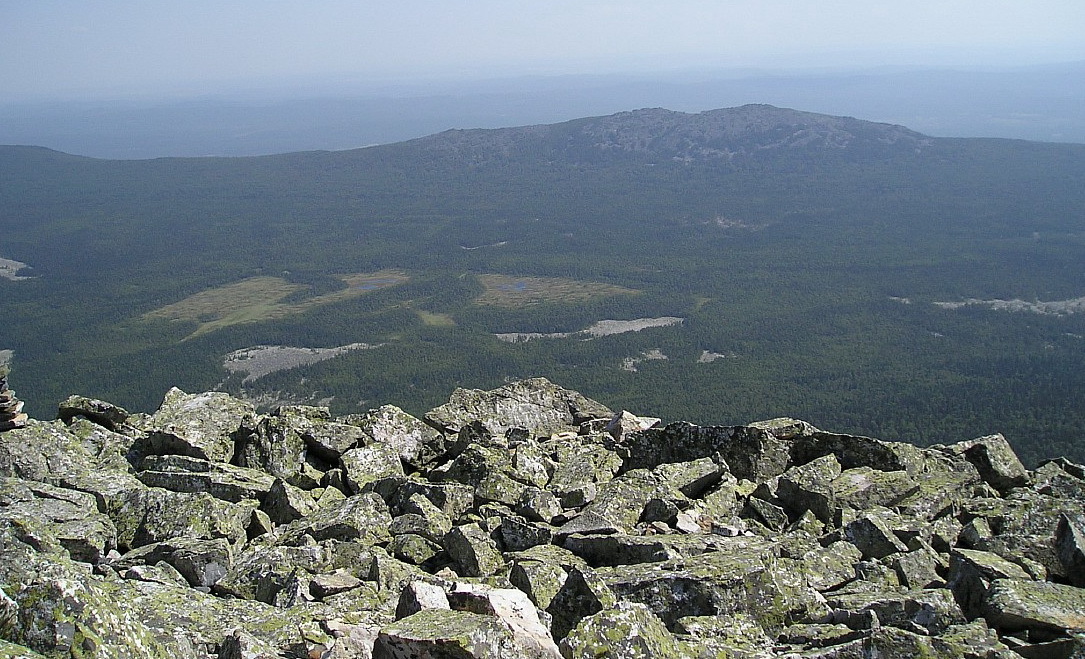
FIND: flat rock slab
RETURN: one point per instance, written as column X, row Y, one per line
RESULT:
column 444, row 634
column 1014, row 604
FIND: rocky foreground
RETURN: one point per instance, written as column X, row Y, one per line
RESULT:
column 528, row 521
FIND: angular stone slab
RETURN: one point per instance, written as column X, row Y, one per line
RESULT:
column 222, row 481
column 445, row 634
column 535, row 404
column 628, row 630
column 202, row 425
column 1013, row 605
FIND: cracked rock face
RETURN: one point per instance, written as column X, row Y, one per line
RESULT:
column 528, row 521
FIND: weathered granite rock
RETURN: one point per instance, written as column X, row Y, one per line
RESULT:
column 924, row 611
column 418, row 444
column 998, row 465
column 536, row 404
column 444, row 634
column 752, row 453
column 369, row 463
column 768, row 540
column 222, row 481
column 583, row 593
column 277, row 446
column 152, row 515
column 474, row 552
column 626, row 631
column 513, row 608
column 1039, row 606
column 97, row 411
column 198, row 425
column 362, row 518
column 717, row 583
column 809, row 487
column 1070, row 544
column 971, row 574
column 68, row 518
column 201, row 562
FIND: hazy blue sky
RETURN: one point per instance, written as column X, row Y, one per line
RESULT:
column 103, row 47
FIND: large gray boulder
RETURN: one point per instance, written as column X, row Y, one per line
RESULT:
column 202, row 426
column 535, row 404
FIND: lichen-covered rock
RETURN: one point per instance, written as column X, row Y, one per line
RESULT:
column 716, row 583
column 474, row 552
column 871, row 534
column 929, row 611
column 773, row 539
column 444, row 634
column 809, row 487
column 993, row 456
column 855, row 451
column 419, row 596
column 97, row 411
column 513, row 608
column 369, row 463
column 277, row 446
column 625, row 631
column 152, row 514
column 417, row 444
column 1070, row 545
column 198, row 425
column 751, row 453
column 222, row 481
column 1041, row 606
column 535, row 404
column 200, row 562
column 362, row 518
column 583, row 593
column 66, row 517
column 489, row 470
column 971, row 574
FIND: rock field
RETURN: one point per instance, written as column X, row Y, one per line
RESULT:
column 528, row 521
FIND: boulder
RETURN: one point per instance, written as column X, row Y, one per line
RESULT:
column 625, row 631
column 363, row 519
column 513, row 608
column 445, row 634
column 370, row 463
column 277, row 446
column 751, row 452
column 535, row 404
column 1038, row 606
column 417, row 444
column 473, row 551
column 186, row 474
column 105, row 414
column 202, row 426
column 995, row 460
column 1070, row 545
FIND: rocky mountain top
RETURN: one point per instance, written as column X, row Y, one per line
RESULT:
column 727, row 134
column 528, row 521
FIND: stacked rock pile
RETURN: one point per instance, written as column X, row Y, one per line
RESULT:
column 11, row 408
column 524, row 522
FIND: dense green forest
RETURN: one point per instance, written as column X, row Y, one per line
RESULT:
column 804, row 253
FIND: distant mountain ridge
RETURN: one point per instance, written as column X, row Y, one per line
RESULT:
column 723, row 134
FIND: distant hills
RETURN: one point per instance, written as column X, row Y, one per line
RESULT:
column 1040, row 102
column 808, row 265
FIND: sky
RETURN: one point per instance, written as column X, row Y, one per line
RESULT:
column 88, row 48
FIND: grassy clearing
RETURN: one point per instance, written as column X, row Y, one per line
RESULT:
column 260, row 298
column 435, row 319
column 506, row 291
